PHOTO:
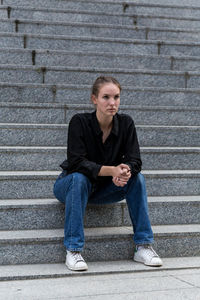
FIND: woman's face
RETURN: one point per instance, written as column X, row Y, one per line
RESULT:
column 108, row 100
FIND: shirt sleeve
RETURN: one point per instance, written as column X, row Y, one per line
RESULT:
column 132, row 150
column 77, row 152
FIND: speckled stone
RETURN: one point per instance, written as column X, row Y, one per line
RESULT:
column 41, row 185
column 75, row 5
column 56, row 135
column 14, row 159
column 18, row 57
column 135, row 78
column 90, row 29
column 23, row 75
column 11, row 40
column 89, row 44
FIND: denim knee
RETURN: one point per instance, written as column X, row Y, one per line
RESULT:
column 81, row 180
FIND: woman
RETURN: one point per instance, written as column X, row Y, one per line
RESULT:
column 103, row 166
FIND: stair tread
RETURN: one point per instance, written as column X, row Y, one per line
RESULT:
column 24, row 203
column 33, row 271
column 46, row 234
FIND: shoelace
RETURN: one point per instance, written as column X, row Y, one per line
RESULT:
column 77, row 256
column 149, row 250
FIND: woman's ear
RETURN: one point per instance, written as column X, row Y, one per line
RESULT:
column 93, row 99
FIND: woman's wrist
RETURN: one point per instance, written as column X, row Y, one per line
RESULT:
column 106, row 171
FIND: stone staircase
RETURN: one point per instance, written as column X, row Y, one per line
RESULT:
column 50, row 53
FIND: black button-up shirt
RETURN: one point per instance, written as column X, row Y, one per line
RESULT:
column 86, row 152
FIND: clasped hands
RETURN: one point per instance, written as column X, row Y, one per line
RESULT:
column 121, row 175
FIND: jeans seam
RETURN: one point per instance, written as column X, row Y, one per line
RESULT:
column 72, row 208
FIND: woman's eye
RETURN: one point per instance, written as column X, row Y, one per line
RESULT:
column 116, row 97
column 106, row 97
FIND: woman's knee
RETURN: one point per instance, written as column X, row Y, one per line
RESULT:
column 81, row 180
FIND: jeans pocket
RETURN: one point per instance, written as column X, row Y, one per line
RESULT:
column 63, row 174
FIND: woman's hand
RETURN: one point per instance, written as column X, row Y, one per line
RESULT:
column 121, row 175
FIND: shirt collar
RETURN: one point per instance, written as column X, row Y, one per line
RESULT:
column 97, row 128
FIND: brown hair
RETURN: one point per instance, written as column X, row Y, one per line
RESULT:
column 101, row 81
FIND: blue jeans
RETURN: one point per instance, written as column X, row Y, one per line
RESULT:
column 75, row 191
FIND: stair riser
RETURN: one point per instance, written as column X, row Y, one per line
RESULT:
column 60, row 4
column 168, row 11
column 101, row 18
column 57, row 136
column 83, row 30
column 83, row 77
column 28, row 93
column 50, row 160
column 62, row 115
column 52, row 216
column 42, row 186
column 97, row 249
column 108, row 7
column 108, row 46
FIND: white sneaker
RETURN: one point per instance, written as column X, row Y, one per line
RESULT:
column 147, row 255
column 75, row 262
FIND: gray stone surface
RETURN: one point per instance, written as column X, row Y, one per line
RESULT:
column 28, row 185
column 183, row 265
column 114, row 282
column 135, row 78
column 26, row 158
column 16, row 56
column 46, row 246
column 81, row 94
column 49, row 213
column 20, row 74
column 56, row 135
column 72, row 16
column 62, row 114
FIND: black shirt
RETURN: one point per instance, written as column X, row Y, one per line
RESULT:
column 86, row 152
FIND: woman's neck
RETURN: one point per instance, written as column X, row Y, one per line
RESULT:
column 104, row 122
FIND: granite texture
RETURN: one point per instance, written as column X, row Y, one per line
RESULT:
column 103, row 59
column 41, row 185
column 8, row 56
column 170, row 22
column 92, row 44
column 56, row 135
column 32, row 135
column 75, row 5
column 97, row 247
column 12, row 41
column 92, row 29
column 81, row 94
column 61, row 114
column 20, row 216
column 135, row 78
column 17, row 74
column 175, row 10
column 26, row 159
column 53, row 15
column 26, row 93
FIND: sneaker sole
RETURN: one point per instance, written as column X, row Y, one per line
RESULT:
column 76, row 269
column 149, row 265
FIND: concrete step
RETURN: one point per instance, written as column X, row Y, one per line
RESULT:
column 49, row 213
column 183, row 9
column 100, row 59
column 176, row 9
column 13, row 134
column 99, row 30
column 69, row 43
column 18, row 158
column 62, row 113
column 45, row 246
column 43, row 271
column 39, row 184
column 72, row 75
column 115, row 17
column 66, row 93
